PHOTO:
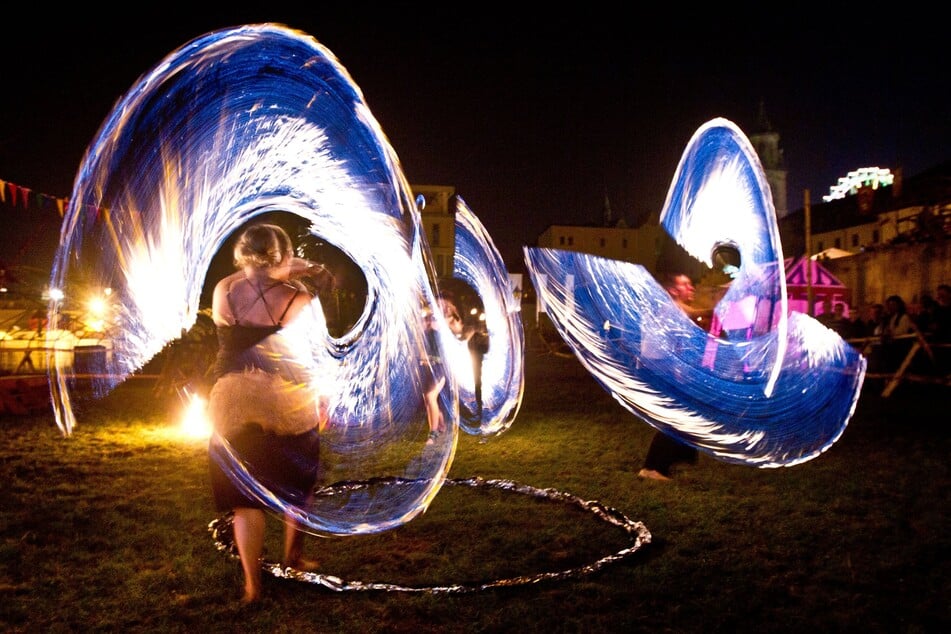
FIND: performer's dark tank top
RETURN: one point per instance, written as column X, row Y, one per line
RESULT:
column 238, row 344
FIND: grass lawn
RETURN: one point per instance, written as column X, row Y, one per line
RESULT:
column 107, row 531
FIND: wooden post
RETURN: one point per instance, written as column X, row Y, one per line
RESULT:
column 810, row 299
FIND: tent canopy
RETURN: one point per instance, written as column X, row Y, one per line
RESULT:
column 826, row 287
column 831, row 253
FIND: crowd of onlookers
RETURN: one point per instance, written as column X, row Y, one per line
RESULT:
column 893, row 318
column 890, row 323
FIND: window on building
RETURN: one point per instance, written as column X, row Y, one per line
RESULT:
column 602, row 242
column 838, row 243
column 623, row 243
column 571, row 240
column 855, row 239
column 436, row 235
column 820, row 246
column 875, row 236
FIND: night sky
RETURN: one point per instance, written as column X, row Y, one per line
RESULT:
column 533, row 118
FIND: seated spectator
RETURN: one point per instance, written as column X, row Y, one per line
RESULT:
column 926, row 317
column 935, row 324
column 944, row 295
column 897, row 321
column 896, row 325
column 942, row 314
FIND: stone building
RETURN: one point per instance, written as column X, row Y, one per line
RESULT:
column 893, row 239
column 765, row 140
column 896, row 236
column 438, row 214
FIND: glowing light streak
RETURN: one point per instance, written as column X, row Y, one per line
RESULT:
column 720, row 196
column 779, row 396
column 195, row 424
column 235, row 124
column 479, row 263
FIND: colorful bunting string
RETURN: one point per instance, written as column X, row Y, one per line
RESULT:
column 23, row 196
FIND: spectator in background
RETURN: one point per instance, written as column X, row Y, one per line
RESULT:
column 897, row 321
column 826, row 316
column 846, row 326
column 893, row 330
column 942, row 314
column 933, row 323
column 927, row 315
column 466, row 319
column 943, row 295
column 870, row 324
column 838, row 321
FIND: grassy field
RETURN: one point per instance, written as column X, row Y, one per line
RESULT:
column 107, row 531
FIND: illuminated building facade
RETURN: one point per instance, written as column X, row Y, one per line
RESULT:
column 439, row 223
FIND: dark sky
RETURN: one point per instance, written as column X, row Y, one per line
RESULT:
column 531, row 118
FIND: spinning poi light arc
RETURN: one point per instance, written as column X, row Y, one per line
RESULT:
column 233, row 125
column 778, row 389
column 247, row 121
column 479, row 264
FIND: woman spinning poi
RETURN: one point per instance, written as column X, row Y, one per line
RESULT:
column 233, row 125
column 262, row 404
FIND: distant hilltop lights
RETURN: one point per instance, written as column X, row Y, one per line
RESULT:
column 873, row 177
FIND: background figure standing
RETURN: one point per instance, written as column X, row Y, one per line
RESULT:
column 434, row 379
column 665, row 451
column 262, row 404
column 463, row 317
column 478, row 347
column 838, row 321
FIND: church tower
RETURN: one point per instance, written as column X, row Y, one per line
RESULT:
column 765, row 141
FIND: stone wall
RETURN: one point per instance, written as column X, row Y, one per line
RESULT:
column 908, row 270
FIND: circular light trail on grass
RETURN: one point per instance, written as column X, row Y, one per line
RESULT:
column 221, row 530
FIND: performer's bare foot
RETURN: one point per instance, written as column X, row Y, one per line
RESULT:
column 650, row 474
column 251, row 596
column 304, row 565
